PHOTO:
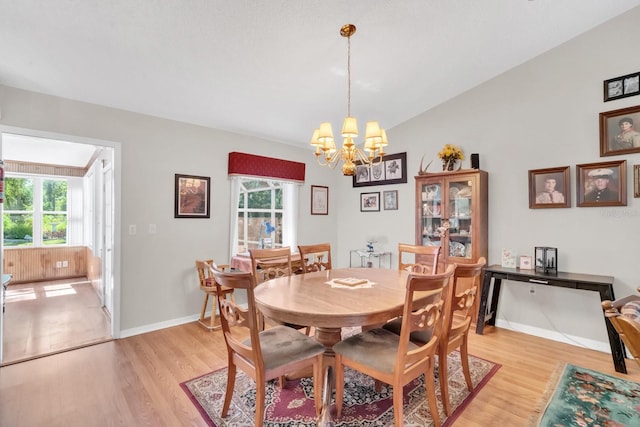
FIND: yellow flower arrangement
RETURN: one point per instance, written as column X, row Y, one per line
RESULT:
column 449, row 155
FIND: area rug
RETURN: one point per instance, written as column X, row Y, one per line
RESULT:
column 582, row 397
column 363, row 406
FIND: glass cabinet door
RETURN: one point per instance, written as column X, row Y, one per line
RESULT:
column 460, row 234
column 431, row 214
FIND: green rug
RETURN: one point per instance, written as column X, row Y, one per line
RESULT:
column 582, row 397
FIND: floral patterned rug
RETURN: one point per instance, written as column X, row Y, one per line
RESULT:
column 582, row 397
column 363, row 406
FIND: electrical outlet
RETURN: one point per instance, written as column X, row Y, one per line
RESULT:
column 58, row 264
column 152, row 229
column 132, row 229
column 65, row 263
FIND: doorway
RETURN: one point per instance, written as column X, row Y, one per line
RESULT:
column 99, row 233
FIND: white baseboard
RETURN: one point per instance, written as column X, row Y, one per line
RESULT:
column 555, row 336
column 157, row 326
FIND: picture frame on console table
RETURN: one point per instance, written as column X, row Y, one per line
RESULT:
column 392, row 169
column 601, row 184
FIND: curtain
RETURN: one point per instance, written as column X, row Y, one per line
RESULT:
column 233, row 218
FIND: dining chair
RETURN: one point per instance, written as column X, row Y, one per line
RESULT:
column 265, row 354
column 208, row 287
column 459, row 312
column 418, row 259
column 315, row 257
column 272, row 263
column 394, row 359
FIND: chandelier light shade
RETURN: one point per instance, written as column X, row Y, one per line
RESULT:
column 375, row 138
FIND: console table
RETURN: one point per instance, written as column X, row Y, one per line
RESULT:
column 367, row 255
column 588, row 282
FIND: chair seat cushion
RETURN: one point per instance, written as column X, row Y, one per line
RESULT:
column 377, row 348
column 282, row 345
column 631, row 310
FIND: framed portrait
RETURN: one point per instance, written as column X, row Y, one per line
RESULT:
column 390, row 200
column 392, row 169
column 370, row 202
column 319, row 200
column 619, row 131
column 192, row 196
column 636, row 180
column 549, row 188
column 602, row 184
column 622, row 87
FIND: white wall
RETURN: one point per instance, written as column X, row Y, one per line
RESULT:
column 541, row 114
column 158, row 283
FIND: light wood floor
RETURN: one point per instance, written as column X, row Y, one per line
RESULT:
column 48, row 317
column 135, row 381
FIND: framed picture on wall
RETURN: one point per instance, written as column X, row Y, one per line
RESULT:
column 192, row 196
column 319, row 200
column 370, row 202
column 602, row 184
column 636, row 180
column 549, row 188
column 390, row 200
column 392, row 169
column 622, row 87
column 619, row 131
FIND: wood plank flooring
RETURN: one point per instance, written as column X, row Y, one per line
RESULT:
column 48, row 317
column 135, row 381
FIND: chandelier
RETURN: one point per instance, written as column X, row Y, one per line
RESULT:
column 375, row 137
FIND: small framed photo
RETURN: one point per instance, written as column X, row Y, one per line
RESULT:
column 602, row 184
column 636, row 180
column 319, row 200
column 370, row 202
column 390, row 200
column 622, row 87
column 192, row 196
column 549, row 188
column 508, row 259
column 526, row 263
column 619, row 131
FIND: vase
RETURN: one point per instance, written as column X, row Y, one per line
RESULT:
column 448, row 165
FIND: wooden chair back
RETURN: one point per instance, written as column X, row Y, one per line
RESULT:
column 285, row 349
column 236, row 320
column 315, row 257
column 459, row 313
column 206, row 282
column 418, row 259
column 393, row 359
column 270, row 263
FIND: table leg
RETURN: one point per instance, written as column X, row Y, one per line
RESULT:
column 495, row 296
column 327, row 337
column 617, row 346
column 482, row 311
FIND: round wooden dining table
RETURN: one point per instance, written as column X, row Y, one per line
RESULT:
column 310, row 300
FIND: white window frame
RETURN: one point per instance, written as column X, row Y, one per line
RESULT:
column 38, row 213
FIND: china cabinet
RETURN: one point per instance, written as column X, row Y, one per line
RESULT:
column 451, row 212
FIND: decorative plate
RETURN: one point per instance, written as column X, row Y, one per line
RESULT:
column 456, row 249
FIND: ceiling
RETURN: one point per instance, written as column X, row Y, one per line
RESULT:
column 275, row 69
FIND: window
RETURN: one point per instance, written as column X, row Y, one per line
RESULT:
column 260, row 214
column 35, row 211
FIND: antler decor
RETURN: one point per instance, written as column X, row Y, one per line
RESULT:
column 423, row 171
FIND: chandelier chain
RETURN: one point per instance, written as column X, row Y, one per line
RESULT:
column 349, row 76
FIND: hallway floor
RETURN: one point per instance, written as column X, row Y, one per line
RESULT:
column 44, row 318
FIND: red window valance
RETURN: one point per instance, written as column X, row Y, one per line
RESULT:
column 268, row 167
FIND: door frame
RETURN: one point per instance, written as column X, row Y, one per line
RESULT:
column 116, row 211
